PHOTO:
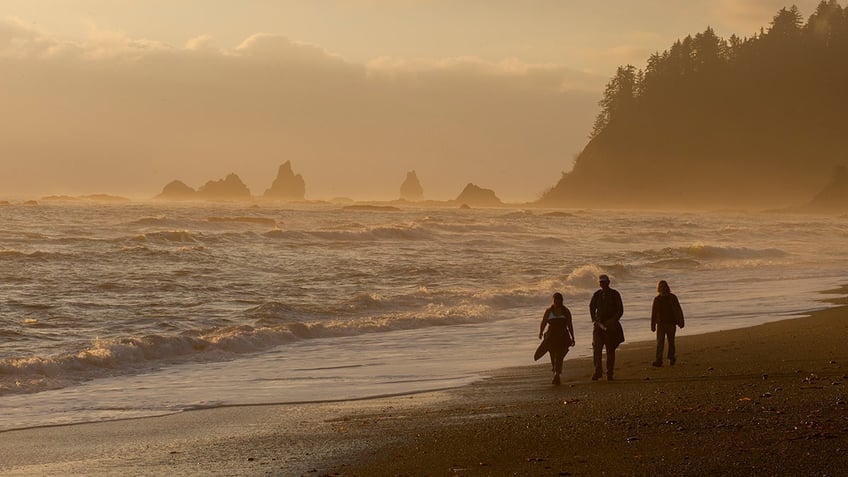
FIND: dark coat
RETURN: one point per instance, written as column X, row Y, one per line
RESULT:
column 666, row 310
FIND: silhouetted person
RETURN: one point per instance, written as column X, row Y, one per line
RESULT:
column 560, row 334
column 606, row 310
column 666, row 316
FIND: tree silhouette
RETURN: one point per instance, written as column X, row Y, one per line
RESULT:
column 738, row 119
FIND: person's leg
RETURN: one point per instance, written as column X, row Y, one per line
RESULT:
column 660, row 345
column 610, row 361
column 559, row 355
column 670, row 332
column 597, row 350
column 559, row 359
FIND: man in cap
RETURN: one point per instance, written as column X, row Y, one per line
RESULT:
column 606, row 310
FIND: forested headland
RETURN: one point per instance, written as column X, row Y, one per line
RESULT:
column 757, row 121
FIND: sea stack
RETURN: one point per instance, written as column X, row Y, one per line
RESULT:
column 177, row 190
column 411, row 188
column 229, row 188
column 473, row 195
column 287, row 185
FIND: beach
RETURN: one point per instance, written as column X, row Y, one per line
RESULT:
column 764, row 400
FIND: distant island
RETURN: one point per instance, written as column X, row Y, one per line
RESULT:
column 289, row 186
column 740, row 122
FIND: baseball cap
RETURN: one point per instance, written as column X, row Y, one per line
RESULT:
column 603, row 278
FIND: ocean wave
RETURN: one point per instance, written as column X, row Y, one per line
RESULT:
column 709, row 251
column 34, row 255
column 181, row 236
column 702, row 251
column 247, row 220
column 549, row 241
column 275, row 313
column 274, row 326
column 374, row 234
column 366, row 234
column 147, row 221
column 145, row 250
column 585, row 276
column 677, row 263
column 296, row 236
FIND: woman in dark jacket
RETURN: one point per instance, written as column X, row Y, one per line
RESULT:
column 666, row 316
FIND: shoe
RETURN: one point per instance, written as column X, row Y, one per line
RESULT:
column 671, row 361
column 658, row 363
column 597, row 376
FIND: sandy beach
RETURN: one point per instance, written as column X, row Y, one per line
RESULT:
column 766, row 400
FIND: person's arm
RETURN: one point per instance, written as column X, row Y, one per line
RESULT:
column 569, row 326
column 654, row 312
column 593, row 307
column 678, row 312
column 544, row 322
column 619, row 312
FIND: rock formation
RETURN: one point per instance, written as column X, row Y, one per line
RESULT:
column 411, row 188
column 473, row 195
column 287, row 185
column 229, row 188
column 834, row 197
column 177, row 190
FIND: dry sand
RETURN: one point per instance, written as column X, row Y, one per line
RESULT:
column 766, row 400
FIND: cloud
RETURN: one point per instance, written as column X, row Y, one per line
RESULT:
column 204, row 43
column 120, row 115
column 549, row 77
column 17, row 39
column 102, row 44
column 276, row 47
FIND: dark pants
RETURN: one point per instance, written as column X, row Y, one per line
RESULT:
column 665, row 330
column 599, row 341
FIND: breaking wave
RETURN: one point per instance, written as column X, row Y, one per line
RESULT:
column 275, row 324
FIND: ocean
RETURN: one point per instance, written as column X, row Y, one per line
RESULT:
column 120, row 310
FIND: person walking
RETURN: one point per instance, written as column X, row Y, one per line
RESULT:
column 666, row 316
column 560, row 334
column 606, row 310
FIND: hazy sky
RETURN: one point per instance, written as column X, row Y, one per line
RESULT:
column 123, row 96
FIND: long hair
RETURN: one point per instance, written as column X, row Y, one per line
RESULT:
column 558, row 298
column 662, row 287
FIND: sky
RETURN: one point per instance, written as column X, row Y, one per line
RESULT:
column 123, row 96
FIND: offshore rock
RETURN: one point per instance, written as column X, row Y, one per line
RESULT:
column 177, row 190
column 411, row 188
column 287, row 185
column 229, row 188
column 477, row 196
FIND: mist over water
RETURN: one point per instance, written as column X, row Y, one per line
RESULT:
column 113, row 311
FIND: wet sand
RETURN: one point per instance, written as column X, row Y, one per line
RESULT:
column 766, row 400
